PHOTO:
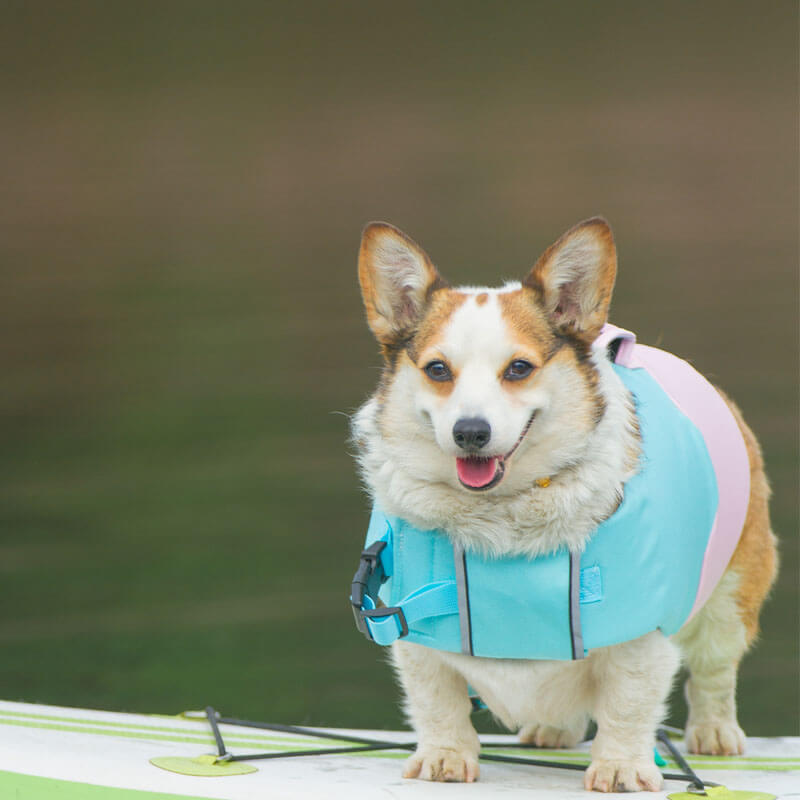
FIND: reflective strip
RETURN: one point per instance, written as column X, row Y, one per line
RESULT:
column 464, row 617
column 575, row 605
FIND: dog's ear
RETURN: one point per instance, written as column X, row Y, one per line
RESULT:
column 396, row 278
column 574, row 279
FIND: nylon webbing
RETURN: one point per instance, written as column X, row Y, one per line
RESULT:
column 431, row 600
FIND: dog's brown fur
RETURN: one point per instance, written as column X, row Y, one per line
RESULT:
column 756, row 556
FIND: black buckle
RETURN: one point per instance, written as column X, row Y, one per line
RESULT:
column 367, row 580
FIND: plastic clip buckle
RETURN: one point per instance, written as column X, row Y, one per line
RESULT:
column 367, row 580
column 387, row 611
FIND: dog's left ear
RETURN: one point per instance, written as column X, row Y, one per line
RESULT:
column 397, row 279
column 574, row 279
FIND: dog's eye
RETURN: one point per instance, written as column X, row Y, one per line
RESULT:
column 438, row 371
column 518, row 369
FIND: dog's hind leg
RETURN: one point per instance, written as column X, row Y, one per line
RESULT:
column 713, row 643
column 716, row 638
column 568, row 735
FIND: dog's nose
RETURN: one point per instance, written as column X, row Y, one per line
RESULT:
column 472, row 433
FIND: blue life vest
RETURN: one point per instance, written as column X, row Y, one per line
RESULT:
column 639, row 572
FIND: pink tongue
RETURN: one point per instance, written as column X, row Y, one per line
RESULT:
column 476, row 472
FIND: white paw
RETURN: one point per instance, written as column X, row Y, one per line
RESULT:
column 548, row 736
column 715, row 738
column 622, row 776
column 442, row 764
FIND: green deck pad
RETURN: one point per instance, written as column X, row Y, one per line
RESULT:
column 31, row 787
column 202, row 766
column 722, row 793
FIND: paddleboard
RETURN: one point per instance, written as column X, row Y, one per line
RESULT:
column 52, row 752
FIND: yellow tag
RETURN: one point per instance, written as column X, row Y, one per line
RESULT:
column 542, row 483
column 202, row 766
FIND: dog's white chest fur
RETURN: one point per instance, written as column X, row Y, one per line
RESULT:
column 398, row 472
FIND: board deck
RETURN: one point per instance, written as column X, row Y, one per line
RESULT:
column 76, row 754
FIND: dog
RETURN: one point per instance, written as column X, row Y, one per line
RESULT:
column 501, row 422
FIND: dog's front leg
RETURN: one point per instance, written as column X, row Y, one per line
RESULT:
column 438, row 707
column 631, row 682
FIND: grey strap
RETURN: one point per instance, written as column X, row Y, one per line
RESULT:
column 464, row 619
column 575, row 605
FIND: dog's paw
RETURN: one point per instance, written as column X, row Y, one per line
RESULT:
column 622, row 776
column 715, row 739
column 538, row 735
column 442, row 764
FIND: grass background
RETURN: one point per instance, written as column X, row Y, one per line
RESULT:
column 181, row 338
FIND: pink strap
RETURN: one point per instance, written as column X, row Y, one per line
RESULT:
column 627, row 339
column 704, row 406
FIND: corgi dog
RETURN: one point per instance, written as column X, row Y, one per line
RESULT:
column 501, row 422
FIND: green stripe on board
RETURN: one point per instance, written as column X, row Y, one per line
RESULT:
column 255, row 737
column 29, row 787
column 742, row 764
column 750, row 761
column 738, row 762
column 700, row 759
column 132, row 734
column 747, row 767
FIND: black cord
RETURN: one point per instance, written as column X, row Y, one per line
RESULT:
column 274, row 726
column 533, row 762
column 537, row 762
column 326, row 751
column 211, row 715
column 366, row 745
column 663, row 737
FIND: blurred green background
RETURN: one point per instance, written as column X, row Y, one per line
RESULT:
column 183, row 188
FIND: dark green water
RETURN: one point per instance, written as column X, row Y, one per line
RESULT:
column 182, row 339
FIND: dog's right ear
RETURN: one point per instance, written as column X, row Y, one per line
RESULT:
column 397, row 279
column 574, row 279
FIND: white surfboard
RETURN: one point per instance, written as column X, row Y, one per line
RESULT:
column 54, row 753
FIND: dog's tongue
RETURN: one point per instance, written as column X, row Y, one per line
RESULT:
column 476, row 472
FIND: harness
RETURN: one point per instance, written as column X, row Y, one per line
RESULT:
column 650, row 566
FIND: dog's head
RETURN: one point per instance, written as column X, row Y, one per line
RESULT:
column 488, row 389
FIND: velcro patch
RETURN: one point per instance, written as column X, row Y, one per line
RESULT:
column 591, row 585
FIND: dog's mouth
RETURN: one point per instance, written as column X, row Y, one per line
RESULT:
column 479, row 473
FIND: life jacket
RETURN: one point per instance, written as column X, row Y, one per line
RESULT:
column 650, row 566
